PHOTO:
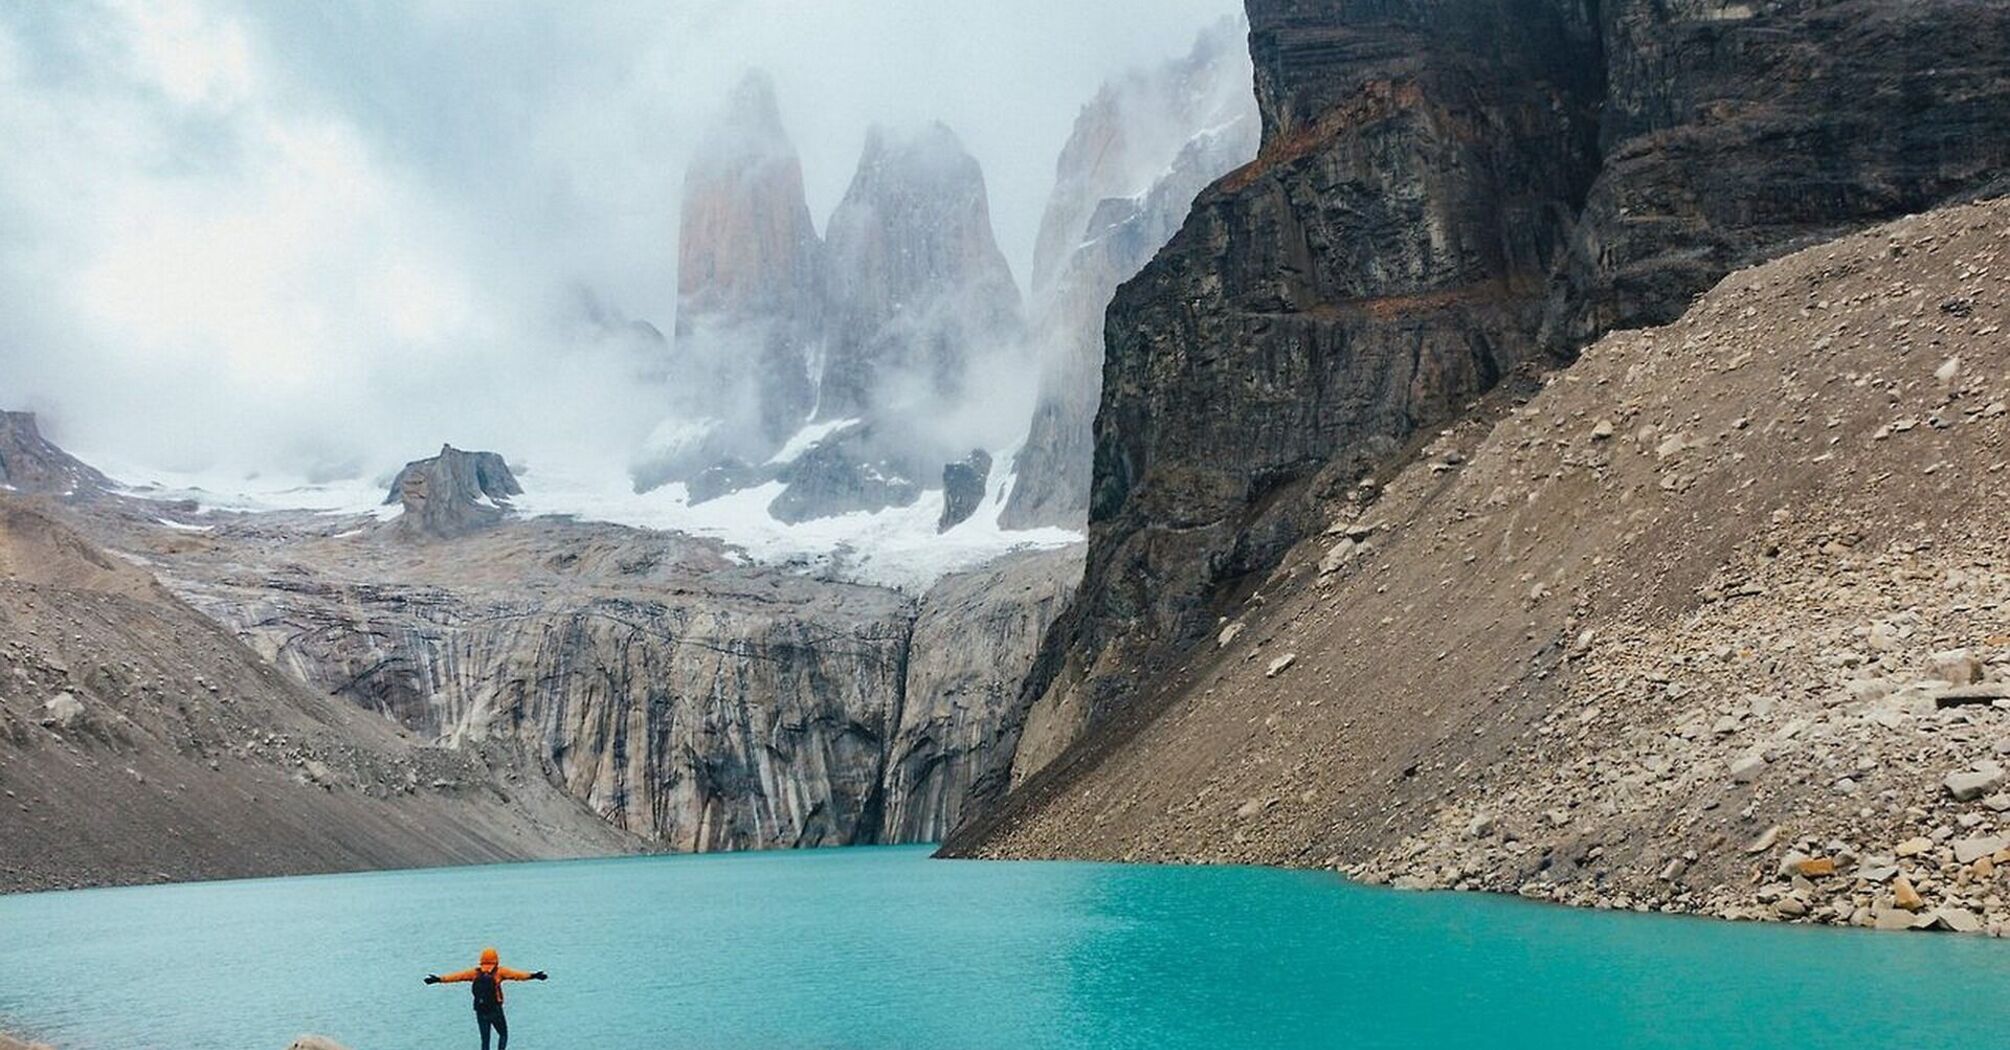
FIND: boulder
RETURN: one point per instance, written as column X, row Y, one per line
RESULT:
column 1968, row 785
column 62, row 711
column 1338, row 555
column 1967, row 851
column 1958, row 920
column 963, row 488
column 1905, row 895
column 1955, row 666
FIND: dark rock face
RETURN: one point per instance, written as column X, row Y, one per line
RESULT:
column 1734, row 131
column 30, row 463
column 917, row 283
column 1139, row 153
column 453, row 493
column 963, row 488
column 1448, row 189
column 859, row 468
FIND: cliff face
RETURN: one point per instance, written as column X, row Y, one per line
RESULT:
column 693, row 701
column 974, row 639
column 1383, row 259
column 1732, row 131
column 1446, row 189
column 696, row 703
column 918, row 286
column 141, row 742
column 1139, row 153
column 749, row 291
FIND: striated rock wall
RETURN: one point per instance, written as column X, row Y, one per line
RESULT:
column 975, row 635
column 696, row 702
column 1448, row 189
column 139, row 742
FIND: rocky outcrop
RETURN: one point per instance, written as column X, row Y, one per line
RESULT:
column 1139, row 153
column 750, row 279
column 30, row 464
column 864, row 467
column 139, row 742
column 1710, row 623
column 1448, row 189
column 453, row 493
column 879, row 325
column 963, row 488
column 919, row 295
column 974, row 639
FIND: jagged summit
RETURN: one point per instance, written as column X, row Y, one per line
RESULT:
column 750, row 295
column 453, row 493
column 30, row 463
column 917, row 283
column 748, row 127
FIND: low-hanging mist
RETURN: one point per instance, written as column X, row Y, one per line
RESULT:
column 318, row 242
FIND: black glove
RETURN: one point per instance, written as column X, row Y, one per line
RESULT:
column 432, row 978
column 540, row 976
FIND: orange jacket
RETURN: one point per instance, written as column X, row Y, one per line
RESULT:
column 503, row 973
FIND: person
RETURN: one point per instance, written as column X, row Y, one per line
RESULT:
column 487, row 978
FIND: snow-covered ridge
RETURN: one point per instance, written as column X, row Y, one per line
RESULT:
column 898, row 547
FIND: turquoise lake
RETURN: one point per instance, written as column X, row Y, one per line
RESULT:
column 869, row 948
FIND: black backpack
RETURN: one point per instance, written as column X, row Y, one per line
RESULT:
column 488, row 989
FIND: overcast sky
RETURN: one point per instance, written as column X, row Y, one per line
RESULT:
column 327, row 235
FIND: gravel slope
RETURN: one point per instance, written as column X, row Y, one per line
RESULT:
column 1667, row 634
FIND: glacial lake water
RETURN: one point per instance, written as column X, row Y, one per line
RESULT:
column 872, row 948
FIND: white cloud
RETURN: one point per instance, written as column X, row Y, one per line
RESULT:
column 296, row 236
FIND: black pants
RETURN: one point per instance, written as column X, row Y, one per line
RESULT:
column 487, row 1019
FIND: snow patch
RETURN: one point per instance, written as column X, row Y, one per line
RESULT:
column 897, row 547
column 805, row 439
